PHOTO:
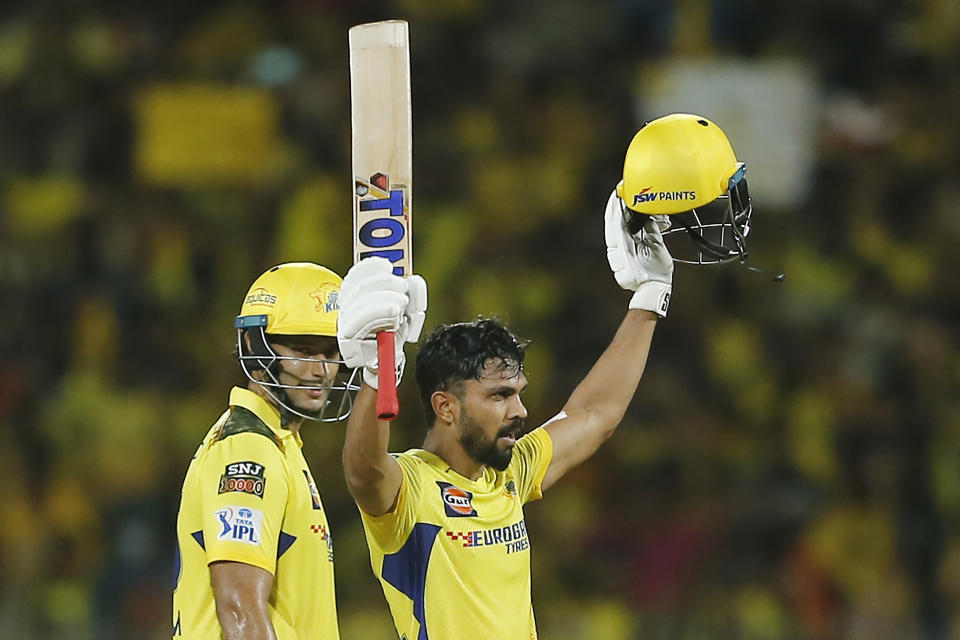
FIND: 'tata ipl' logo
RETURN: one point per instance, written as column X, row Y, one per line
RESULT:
column 457, row 503
column 649, row 196
column 240, row 524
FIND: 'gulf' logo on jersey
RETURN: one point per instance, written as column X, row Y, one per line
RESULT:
column 457, row 503
column 649, row 196
column 239, row 524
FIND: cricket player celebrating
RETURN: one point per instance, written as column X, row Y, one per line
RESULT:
column 255, row 557
column 444, row 523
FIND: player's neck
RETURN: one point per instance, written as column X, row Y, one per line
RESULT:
column 451, row 451
column 287, row 420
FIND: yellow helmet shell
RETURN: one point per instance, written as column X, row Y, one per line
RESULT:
column 296, row 298
column 676, row 163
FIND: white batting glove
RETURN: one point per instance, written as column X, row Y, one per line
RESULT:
column 372, row 300
column 640, row 262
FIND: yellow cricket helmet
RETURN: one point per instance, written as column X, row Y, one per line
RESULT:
column 294, row 299
column 680, row 165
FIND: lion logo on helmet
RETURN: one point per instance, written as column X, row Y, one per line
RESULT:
column 326, row 297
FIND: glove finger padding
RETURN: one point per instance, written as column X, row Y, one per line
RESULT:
column 640, row 262
column 621, row 247
column 663, row 222
column 375, row 283
column 654, row 294
column 416, row 311
column 358, row 353
column 368, row 267
column 373, row 299
column 657, row 261
column 370, row 274
column 372, row 313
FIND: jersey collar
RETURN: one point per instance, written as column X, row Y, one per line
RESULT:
column 486, row 476
column 240, row 397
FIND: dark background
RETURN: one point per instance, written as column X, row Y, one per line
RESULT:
column 790, row 466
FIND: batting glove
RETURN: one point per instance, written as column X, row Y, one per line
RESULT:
column 640, row 262
column 372, row 300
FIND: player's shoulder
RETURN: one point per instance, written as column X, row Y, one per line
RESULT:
column 532, row 446
column 418, row 463
column 243, row 433
column 244, row 421
column 536, row 439
column 412, row 458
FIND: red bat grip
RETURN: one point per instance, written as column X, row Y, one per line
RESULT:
column 387, row 404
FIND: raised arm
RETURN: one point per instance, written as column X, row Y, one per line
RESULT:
column 373, row 476
column 597, row 405
column 372, row 299
column 643, row 265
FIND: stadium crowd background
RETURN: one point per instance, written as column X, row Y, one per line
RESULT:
column 791, row 465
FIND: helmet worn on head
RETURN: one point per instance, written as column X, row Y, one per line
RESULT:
column 296, row 298
column 682, row 166
column 293, row 299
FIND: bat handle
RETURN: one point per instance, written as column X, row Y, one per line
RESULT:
column 387, row 404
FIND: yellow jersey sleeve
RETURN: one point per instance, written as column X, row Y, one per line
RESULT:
column 243, row 495
column 531, row 458
column 391, row 529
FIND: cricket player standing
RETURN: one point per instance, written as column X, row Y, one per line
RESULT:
column 255, row 556
column 444, row 522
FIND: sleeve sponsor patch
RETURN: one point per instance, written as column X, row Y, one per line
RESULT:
column 239, row 524
column 243, row 477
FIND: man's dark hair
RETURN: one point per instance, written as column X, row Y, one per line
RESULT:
column 454, row 353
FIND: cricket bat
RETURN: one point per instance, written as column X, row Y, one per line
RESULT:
column 382, row 151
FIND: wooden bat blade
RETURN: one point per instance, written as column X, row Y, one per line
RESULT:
column 382, row 159
column 382, row 144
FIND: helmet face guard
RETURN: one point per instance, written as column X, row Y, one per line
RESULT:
column 713, row 233
column 260, row 358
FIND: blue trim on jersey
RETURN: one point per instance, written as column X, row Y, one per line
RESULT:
column 177, row 567
column 285, row 542
column 407, row 569
column 198, row 536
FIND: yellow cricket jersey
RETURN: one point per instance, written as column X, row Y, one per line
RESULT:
column 249, row 497
column 453, row 556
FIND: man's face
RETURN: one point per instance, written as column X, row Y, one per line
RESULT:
column 317, row 372
column 492, row 414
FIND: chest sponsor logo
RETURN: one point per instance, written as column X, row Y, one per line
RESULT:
column 240, row 524
column 243, row 477
column 314, row 494
column 512, row 537
column 457, row 503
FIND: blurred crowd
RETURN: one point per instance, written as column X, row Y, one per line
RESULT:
column 790, row 467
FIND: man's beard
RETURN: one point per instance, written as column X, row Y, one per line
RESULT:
column 474, row 441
